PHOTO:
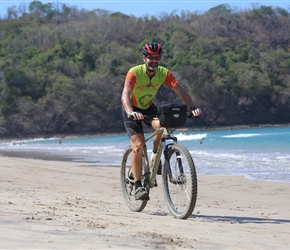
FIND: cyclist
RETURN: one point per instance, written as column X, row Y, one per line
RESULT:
column 141, row 85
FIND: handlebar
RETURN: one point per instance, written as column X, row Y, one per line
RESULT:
column 148, row 118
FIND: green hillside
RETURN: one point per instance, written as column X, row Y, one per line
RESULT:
column 62, row 69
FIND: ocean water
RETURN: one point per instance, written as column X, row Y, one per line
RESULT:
column 256, row 153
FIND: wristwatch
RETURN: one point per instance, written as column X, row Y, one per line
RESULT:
column 193, row 108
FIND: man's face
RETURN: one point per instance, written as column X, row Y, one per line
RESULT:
column 152, row 62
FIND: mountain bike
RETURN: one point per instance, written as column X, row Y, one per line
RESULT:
column 178, row 169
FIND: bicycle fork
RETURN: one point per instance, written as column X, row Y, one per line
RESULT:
column 179, row 179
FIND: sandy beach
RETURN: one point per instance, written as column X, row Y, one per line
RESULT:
column 48, row 204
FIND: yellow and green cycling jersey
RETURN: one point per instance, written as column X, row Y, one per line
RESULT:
column 144, row 88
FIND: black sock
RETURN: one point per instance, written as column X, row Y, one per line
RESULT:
column 154, row 150
column 137, row 184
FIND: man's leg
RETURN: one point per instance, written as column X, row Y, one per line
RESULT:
column 157, row 138
column 137, row 143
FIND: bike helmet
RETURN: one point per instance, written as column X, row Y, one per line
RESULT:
column 152, row 48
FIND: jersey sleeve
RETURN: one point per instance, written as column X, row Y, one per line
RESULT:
column 130, row 80
column 170, row 80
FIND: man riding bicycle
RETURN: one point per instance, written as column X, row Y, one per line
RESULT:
column 141, row 85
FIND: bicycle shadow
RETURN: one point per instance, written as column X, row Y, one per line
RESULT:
column 239, row 219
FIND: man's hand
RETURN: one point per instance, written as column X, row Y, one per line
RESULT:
column 135, row 115
column 195, row 111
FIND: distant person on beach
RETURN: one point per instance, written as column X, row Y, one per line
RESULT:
column 141, row 85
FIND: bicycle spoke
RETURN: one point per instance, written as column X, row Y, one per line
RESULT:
column 180, row 183
column 127, row 182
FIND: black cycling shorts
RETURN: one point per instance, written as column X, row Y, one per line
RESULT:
column 135, row 126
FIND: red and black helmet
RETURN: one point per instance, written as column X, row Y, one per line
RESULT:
column 152, row 48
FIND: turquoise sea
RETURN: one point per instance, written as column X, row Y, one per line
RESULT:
column 256, row 153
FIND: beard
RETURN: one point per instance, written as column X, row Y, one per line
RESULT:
column 151, row 67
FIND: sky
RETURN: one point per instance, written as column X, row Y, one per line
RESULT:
column 140, row 8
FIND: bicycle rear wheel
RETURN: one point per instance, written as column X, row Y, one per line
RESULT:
column 127, row 183
column 179, row 182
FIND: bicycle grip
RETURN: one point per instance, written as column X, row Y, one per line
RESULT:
column 190, row 115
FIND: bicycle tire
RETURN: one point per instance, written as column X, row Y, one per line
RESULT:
column 181, row 193
column 128, row 185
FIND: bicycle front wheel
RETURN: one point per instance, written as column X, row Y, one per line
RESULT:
column 179, row 182
column 127, row 183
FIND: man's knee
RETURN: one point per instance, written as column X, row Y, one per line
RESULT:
column 137, row 143
column 156, row 124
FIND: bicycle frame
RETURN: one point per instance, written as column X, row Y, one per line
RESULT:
column 163, row 147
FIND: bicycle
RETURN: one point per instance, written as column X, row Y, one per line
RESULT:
column 178, row 171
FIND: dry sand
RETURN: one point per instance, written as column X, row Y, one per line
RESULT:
column 65, row 205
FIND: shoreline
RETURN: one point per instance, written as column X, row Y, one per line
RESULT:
column 182, row 129
column 36, row 156
column 103, row 157
column 251, row 167
column 67, row 205
column 62, row 158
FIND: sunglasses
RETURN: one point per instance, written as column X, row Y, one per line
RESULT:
column 151, row 58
